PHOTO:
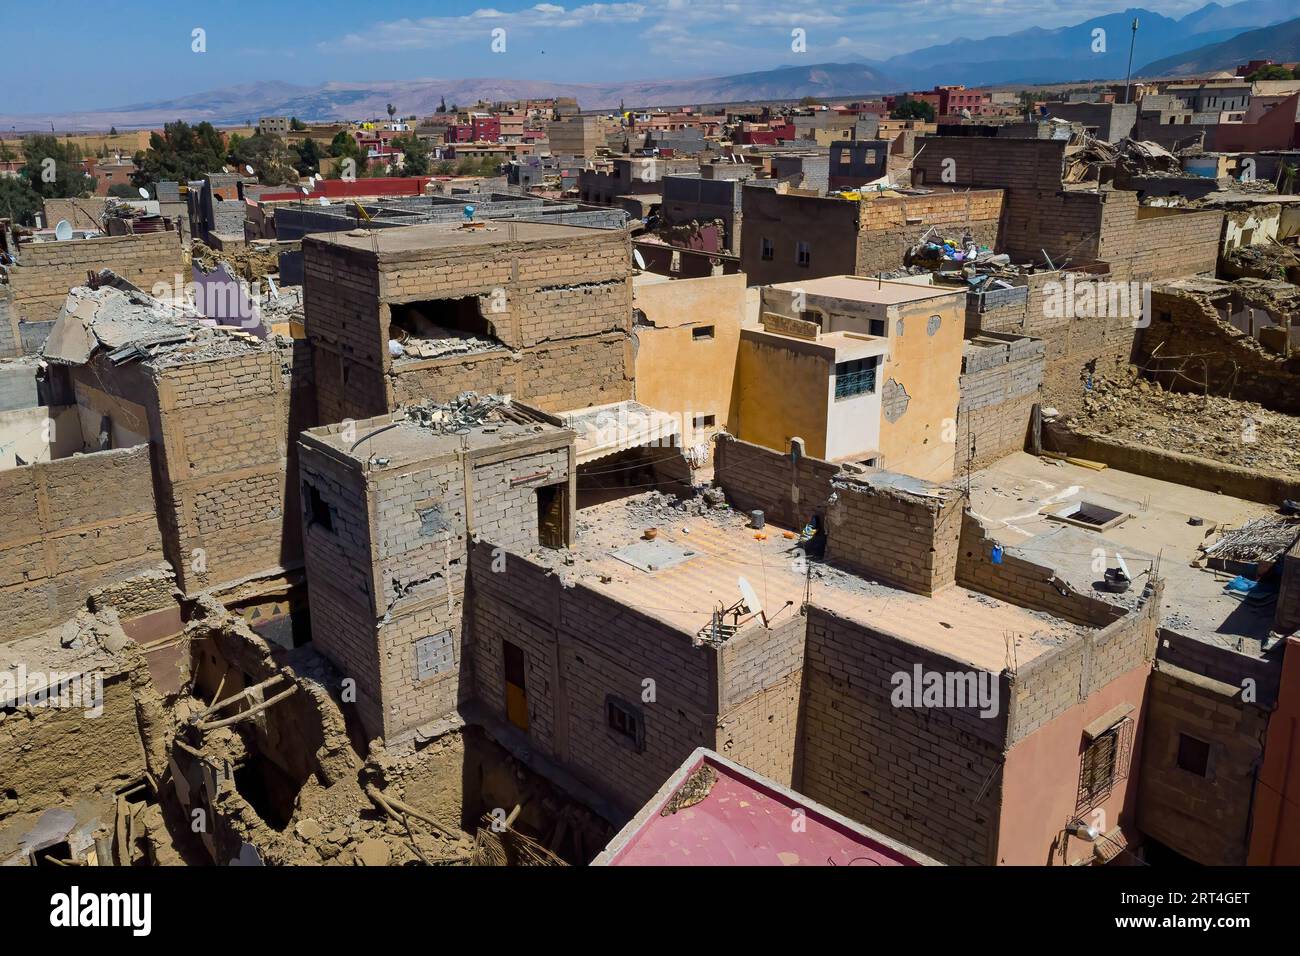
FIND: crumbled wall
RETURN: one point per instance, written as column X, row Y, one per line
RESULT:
column 1227, row 360
column 47, row 270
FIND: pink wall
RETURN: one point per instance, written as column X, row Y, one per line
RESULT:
column 1275, row 837
column 1041, row 777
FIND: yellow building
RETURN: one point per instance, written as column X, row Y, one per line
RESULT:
column 863, row 370
column 686, row 335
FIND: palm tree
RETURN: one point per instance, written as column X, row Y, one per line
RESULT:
column 392, row 111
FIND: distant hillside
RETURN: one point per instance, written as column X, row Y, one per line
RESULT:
column 1280, row 42
column 1208, row 38
column 1065, row 54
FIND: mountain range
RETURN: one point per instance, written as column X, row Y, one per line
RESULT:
column 1210, row 38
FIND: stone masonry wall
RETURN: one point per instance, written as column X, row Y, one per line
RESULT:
column 70, row 526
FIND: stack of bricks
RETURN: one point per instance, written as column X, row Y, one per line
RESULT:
column 61, row 534
column 888, row 534
column 39, row 284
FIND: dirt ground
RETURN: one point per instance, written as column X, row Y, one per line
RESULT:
column 1222, row 429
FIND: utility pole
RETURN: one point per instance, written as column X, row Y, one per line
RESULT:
column 1129, row 73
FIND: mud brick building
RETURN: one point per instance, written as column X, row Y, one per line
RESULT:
column 1082, row 223
column 38, row 283
column 790, row 237
column 539, row 312
column 390, row 506
column 218, row 409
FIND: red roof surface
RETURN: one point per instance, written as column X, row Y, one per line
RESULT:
column 747, row 820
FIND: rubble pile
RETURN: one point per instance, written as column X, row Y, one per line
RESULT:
column 467, row 412
column 1227, row 430
column 251, row 262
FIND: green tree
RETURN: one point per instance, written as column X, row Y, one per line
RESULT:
column 914, row 109
column 180, row 153
column 344, row 146
column 307, row 157
column 18, row 201
column 123, row 191
column 415, row 155
column 392, row 111
column 809, row 101
column 1273, row 71
column 296, row 124
column 271, row 160
column 7, row 154
column 442, row 105
column 112, row 131
column 54, row 169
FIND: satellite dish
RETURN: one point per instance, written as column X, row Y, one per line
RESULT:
column 638, row 259
column 144, row 193
column 304, row 190
column 63, row 231
column 318, row 177
column 751, row 597
column 248, row 169
column 323, row 201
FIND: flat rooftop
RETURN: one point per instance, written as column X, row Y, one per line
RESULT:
column 698, row 555
column 1011, row 495
column 867, row 289
column 713, row 812
column 414, row 239
column 432, row 431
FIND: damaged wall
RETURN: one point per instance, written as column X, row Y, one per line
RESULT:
column 39, row 284
column 558, row 301
column 61, row 535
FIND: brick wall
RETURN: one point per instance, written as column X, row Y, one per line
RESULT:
column 1023, row 582
column 889, row 535
column 1230, row 361
column 1205, row 818
column 1050, row 684
column 1000, row 384
column 69, row 526
column 223, row 430
column 561, row 308
column 581, row 647
column 890, row 227
column 47, row 270
column 1038, row 214
column 928, row 777
column 754, row 477
column 1287, row 619
column 760, row 672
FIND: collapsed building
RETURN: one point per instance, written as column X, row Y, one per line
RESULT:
column 394, row 316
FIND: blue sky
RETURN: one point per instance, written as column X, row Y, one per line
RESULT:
column 113, row 53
